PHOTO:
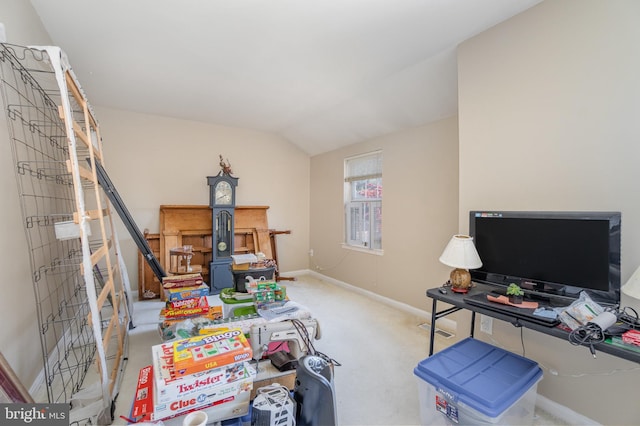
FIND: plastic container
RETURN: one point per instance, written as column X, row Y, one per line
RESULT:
column 232, row 306
column 240, row 277
column 475, row 383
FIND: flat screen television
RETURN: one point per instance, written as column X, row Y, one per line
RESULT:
column 551, row 255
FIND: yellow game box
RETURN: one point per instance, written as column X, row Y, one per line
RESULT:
column 201, row 353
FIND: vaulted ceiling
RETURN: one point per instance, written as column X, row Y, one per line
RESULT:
column 323, row 74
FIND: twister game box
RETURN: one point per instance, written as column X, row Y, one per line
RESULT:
column 201, row 353
column 169, row 387
column 224, row 401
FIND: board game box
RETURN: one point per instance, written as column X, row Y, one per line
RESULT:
column 169, row 387
column 185, row 308
column 223, row 402
column 184, row 280
column 181, row 293
column 215, row 350
column 183, row 328
column 228, row 407
column 143, row 400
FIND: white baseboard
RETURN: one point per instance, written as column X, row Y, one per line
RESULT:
column 444, row 323
column 39, row 383
column 563, row 413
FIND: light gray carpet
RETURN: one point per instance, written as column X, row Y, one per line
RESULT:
column 377, row 345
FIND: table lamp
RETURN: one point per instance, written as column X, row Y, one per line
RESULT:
column 632, row 289
column 462, row 255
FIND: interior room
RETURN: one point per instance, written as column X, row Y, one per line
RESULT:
column 497, row 105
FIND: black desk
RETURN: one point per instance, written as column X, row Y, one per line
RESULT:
column 458, row 303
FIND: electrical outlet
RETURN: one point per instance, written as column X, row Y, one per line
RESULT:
column 486, row 324
column 311, row 252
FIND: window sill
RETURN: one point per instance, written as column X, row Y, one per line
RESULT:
column 377, row 252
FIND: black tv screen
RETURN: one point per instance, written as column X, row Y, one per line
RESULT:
column 550, row 254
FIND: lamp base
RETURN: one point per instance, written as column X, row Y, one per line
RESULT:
column 460, row 280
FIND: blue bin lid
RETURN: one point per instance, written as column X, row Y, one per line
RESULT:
column 482, row 376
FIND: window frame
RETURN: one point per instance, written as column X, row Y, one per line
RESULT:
column 370, row 205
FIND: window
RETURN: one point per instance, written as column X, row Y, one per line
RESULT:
column 363, row 201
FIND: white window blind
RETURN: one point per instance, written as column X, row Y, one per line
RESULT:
column 363, row 201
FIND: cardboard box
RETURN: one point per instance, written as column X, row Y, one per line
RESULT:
column 227, row 401
column 240, row 267
column 214, row 396
column 182, row 328
column 185, row 308
column 184, row 280
column 194, row 302
column 143, row 400
column 215, row 350
column 181, row 293
column 228, row 408
column 169, row 387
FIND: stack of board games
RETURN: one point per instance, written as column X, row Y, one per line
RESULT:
column 219, row 383
column 186, row 300
column 185, row 295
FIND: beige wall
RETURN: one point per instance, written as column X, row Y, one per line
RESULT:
column 152, row 161
column 157, row 160
column 420, row 207
column 549, row 120
column 19, row 341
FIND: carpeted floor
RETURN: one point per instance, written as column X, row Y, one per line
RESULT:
column 376, row 344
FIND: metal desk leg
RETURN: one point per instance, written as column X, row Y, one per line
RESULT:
column 473, row 323
column 432, row 329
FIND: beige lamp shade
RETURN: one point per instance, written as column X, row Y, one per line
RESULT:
column 632, row 289
column 462, row 255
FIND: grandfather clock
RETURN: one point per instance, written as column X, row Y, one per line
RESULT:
column 222, row 200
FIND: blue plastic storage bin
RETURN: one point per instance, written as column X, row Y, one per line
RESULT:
column 473, row 382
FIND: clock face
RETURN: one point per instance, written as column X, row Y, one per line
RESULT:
column 223, row 193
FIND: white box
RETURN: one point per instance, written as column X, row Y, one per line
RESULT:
column 168, row 388
column 238, row 407
column 216, row 396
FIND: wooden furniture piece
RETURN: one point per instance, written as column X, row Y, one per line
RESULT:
column 274, row 250
column 148, row 284
column 192, row 225
column 251, row 222
column 186, row 225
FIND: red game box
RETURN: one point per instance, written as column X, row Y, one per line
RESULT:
column 143, row 401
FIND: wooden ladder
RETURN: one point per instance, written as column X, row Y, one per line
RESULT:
column 102, row 267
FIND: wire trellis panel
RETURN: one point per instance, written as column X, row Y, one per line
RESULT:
column 79, row 279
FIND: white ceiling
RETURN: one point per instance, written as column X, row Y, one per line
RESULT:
column 323, row 74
